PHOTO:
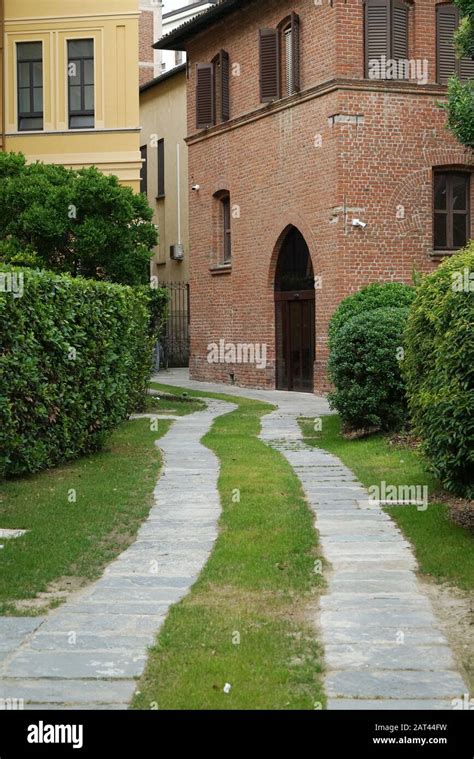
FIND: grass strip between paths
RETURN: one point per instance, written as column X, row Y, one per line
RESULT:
column 444, row 550
column 245, row 621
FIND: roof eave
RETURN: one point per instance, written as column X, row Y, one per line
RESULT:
column 163, row 77
column 179, row 37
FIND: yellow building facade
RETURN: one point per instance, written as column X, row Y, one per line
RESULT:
column 70, row 84
column 166, row 183
column 163, row 120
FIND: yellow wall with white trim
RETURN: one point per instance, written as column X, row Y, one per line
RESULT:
column 113, row 145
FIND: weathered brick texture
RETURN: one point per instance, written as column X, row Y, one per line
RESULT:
column 290, row 163
column 145, row 46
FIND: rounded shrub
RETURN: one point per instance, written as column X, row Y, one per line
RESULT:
column 364, row 366
column 439, row 370
column 376, row 295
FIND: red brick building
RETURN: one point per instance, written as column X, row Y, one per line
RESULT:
column 323, row 164
column 150, row 27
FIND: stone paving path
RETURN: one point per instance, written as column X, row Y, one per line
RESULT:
column 88, row 652
column 382, row 642
column 383, row 646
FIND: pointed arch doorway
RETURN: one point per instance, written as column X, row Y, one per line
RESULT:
column 294, row 315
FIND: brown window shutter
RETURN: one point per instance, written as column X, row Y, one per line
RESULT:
column 295, row 52
column 447, row 21
column 377, row 30
column 269, row 65
column 466, row 69
column 205, row 103
column 399, row 30
column 225, row 85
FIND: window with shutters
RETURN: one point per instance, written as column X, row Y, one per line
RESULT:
column 213, row 91
column 280, row 60
column 224, row 67
column 30, row 85
column 451, row 218
column 216, row 62
column 447, row 21
column 161, row 168
column 386, row 38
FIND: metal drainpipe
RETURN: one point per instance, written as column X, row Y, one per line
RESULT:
column 2, row 83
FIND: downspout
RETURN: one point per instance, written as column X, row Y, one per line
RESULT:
column 2, row 82
column 178, row 192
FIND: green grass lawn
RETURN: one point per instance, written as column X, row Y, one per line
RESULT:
column 76, row 540
column 444, row 550
column 245, row 620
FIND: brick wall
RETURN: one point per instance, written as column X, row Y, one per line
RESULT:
column 343, row 148
column 146, row 41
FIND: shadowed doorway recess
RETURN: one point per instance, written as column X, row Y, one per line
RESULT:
column 294, row 315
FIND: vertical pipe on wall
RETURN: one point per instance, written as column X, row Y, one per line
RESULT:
column 178, row 192
column 2, row 76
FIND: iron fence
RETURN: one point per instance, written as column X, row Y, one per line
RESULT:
column 176, row 337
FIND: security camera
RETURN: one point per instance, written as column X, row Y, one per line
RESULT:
column 359, row 223
column 196, row 187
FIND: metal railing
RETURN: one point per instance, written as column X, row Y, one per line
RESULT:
column 176, row 337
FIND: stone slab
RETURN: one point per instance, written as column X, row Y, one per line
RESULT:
column 395, row 684
column 73, row 664
column 354, row 704
column 389, row 656
column 68, row 691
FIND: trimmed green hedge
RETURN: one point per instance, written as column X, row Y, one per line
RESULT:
column 439, row 370
column 75, row 359
column 376, row 295
column 364, row 365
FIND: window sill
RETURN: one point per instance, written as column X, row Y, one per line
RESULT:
column 443, row 253
column 161, row 197
column 220, row 269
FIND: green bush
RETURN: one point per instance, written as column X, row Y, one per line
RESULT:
column 73, row 222
column 75, row 359
column 364, row 365
column 376, row 295
column 460, row 110
column 439, row 370
column 157, row 299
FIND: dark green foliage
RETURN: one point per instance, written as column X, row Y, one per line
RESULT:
column 460, row 110
column 157, row 299
column 376, row 295
column 460, row 105
column 75, row 222
column 465, row 33
column 364, row 366
column 75, row 359
column 439, row 370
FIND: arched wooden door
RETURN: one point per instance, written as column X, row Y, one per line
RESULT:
column 294, row 315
